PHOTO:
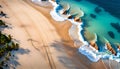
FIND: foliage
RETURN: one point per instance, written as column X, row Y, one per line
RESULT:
column 6, row 46
column 2, row 23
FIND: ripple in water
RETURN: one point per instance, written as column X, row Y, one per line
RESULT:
column 97, row 21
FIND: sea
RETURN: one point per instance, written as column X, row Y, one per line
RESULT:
column 101, row 22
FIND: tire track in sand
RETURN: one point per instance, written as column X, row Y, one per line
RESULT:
column 46, row 48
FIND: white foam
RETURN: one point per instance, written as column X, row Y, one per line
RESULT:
column 55, row 15
column 90, row 53
column 53, row 3
column 61, row 17
column 85, row 49
column 36, row 0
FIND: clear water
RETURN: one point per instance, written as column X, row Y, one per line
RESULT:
column 100, row 25
column 112, row 6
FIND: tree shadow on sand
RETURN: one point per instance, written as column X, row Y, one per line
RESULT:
column 13, row 61
column 8, row 26
column 73, row 59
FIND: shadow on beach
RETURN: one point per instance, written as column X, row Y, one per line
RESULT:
column 2, row 28
column 22, row 51
column 76, row 60
column 7, row 26
column 71, row 60
column 13, row 61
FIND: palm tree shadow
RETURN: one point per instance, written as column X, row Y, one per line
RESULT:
column 57, row 46
column 13, row 61
column 5, row 27
column 22, row 51
column 70, row 61
column 73, row 59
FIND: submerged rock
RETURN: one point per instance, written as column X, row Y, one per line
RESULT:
column 116, row 26
column 97, row 10
column 109, row 47
column 111, row 34
column 70, row 17
column 118, row 47
column 93, row 15
column 77, row 19
column 66, row 9
column 93, row 44
column 44, row 0
column 65, row 12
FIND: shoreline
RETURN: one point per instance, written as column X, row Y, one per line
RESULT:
column 66, row 22
column 45, row 41
column 84, row 47
column 57, row 24
column 91, row 46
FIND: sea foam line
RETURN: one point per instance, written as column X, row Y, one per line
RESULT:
column 84, row 49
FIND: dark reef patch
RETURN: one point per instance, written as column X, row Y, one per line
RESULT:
column 78, row 0
column 111, row 34
column 92, row 15
column 111, row 6
column 116, row 26
column 97, row 10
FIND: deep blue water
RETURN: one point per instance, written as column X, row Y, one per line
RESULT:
column 101, row 17
column 111, row 6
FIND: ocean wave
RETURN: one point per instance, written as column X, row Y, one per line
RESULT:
column 85, row 49
column 41, row 3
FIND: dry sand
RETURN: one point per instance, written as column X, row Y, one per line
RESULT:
column 44, row 43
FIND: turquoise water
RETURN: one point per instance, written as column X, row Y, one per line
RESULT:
column 100, row 24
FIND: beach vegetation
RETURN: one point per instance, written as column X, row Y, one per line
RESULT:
column 2, row 23
column 6, row 46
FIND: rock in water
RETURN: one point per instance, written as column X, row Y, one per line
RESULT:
column 70, row 17
column 109, row 47
column 65, row 12
column 77, row 19
column 44, row 0
column 111, row 34
column 93, row 44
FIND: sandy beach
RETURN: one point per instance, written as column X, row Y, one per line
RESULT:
column 44, row 42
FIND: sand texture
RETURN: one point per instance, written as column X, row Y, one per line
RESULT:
column 44, row 43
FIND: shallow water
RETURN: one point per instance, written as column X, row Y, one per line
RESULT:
column 96, row 22
column 100, row 25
